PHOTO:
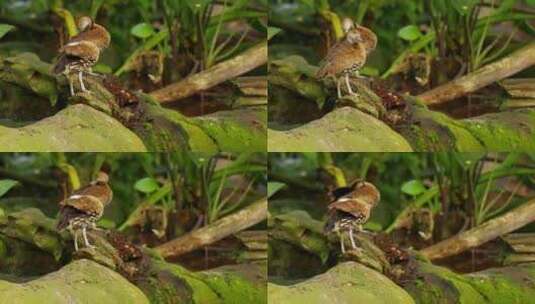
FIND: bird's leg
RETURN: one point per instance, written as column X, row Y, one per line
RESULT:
column 84, row 233
column 351, row 238
column 90, row 72
column 338, row 90
column 342, row 247
column 71, row 86
column 94, row 227
column 81, row 81
column 348, row 85
column 357, row 74
column 67, row 74
column 75, row 232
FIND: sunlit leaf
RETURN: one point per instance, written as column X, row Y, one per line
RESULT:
column 272, row 31
column 142, row 30
column 146, row 185
column 6, row 185
column 409, row 33
column 274, row 187
column 413, row 187
column 5, row 28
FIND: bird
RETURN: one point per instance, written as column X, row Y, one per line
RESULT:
column 349, row 55
column 350, row 208
column 84, row 207
column 82, row 51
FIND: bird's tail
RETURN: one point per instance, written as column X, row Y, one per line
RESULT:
column 60, row 65
column 322, row 71
column 331, row 221
column 66, row 214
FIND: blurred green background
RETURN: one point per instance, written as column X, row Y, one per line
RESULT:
column 157, row 196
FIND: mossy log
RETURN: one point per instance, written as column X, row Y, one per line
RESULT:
column 80, row 281
column 350, row 282
column 127, row 121
column 115, row 271
column 295, row 235
column 76, row 128
column 345, row 129
column 421, row 129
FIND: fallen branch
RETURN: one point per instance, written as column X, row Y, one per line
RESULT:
column 510, row 65
column 216, row 231
column 490, row 230
column 238, row 65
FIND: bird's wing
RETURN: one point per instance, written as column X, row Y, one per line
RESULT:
column 81, row 49
column 342, row 56
column 352, row 206
column 87, row 203
column 97, row 35
column 101, row 191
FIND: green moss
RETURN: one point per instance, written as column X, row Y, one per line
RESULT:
column 233, row 289
column 75, row 283
column 343, row 283
column 217, row 287
column 76, row 128
column 237, row 130
column 501, row 285
column 434, row 131
column 168, row 124
column 202, row 293
column 345, row 129
column 505, row 131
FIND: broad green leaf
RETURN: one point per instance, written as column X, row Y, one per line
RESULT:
column 5, row 28
column 142, row 30
column 6, row 185
column 274, row 187
column 413, row 187
column 409, row 33
column 272, row 31
column 146, row 185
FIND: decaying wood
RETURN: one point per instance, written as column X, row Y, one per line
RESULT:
column 490, row 230
column 521, row 242
column 253, row 239
column 503, row 68
column 238, row 65
column 516, row 103
column 247, row 217
column 520, row 88
column 252, row 85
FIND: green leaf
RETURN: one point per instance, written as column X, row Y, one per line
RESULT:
column 142, row 30
column 530, row 2
column 272, row 31
column 414, row 187
column 409, row 33
column 146, row 185
column 274, row 187
column 5, row 28
column 6, row 185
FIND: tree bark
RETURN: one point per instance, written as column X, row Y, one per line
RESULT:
column 490, row 230
column 216, row 231
column 510, row 65
column 240, row 64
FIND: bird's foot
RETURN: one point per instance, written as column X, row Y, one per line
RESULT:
column 95, row 74
column 359, row 102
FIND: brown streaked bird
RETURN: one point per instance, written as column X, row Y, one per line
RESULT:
column 350, row 209
column 82, row 51
column 84, row 207
column 348, row 56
